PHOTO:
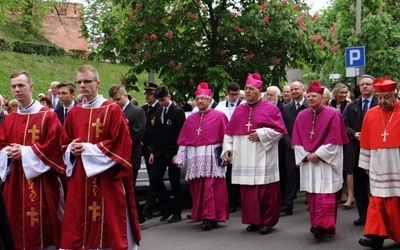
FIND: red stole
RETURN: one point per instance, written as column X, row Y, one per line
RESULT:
column 206, row 130
column 96, row 206
column 32, row 205
column 373, row 129
column 329, row 128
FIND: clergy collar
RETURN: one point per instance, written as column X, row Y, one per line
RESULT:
column 95, row 103
column 27, row 107
column 34, row 107
column 318, row 110
column 254, row 103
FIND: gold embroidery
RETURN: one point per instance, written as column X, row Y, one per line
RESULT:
column 99, row 127
column 95, row 188
column 168, row 122
column 94, row 208
column 35, row 133
column 32, row 214
column 32, row 195
column 153, row 121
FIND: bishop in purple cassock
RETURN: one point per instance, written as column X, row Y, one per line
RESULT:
column 318, row 137
column 200, row 144
column 251, row 144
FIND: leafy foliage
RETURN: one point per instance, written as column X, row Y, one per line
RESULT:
column 189, row 41
column 380, row 34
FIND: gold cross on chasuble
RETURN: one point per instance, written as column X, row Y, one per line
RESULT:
column 35, row 133
column 99, row 127
column 33, row 216
column 94, row 208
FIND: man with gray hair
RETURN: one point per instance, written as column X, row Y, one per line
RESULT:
column 55, row 101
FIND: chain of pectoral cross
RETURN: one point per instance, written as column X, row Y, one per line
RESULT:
column 312, row 132
column 201, row 122
column 248, row 125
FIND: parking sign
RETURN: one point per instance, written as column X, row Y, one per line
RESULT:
column 355, row 57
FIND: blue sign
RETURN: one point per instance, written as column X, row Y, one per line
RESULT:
column 355, row 56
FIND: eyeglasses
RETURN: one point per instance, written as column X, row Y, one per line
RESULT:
column 201, row 98
column 85, row 81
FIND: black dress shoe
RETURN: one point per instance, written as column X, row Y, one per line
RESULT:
column 359, row 222
column 175, row 218
column 166, row 216
column 189, row 216
column 252, row 228
column 206, row 225
column 158, row 213
column 232, row 209
column 147, row 215
column 374, row 243
column 287, row 210
column 318, row 232
column 265, row 229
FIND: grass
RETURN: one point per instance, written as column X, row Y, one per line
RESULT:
column 45, row 69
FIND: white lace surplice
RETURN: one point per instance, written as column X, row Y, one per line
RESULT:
column 201, row 161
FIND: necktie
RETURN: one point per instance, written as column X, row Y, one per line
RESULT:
column 297, row 106
column 65, row 113
column 149, row 109
column 365, row 107
column 232, row 104
column 164, row 114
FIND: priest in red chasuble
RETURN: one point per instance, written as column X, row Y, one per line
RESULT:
column 318, row 137
column 31, row 166
column 200, row 145
column 379, row 156
column 100, row 209
column 251, row 144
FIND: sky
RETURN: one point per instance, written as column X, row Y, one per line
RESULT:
column 317, row 4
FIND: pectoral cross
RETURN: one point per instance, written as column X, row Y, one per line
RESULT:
column 94, row 209
column 99, row 127
column 32, row 214
column 198, row 130
column 248, row 125
column 311, row 134
column 384, row 135
column 35, row 133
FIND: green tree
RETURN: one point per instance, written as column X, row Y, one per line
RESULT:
column 380, row 34
column 189, row 41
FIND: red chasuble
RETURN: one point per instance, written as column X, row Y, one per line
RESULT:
column 32, row 205
column 373, row 130
column 96, row 207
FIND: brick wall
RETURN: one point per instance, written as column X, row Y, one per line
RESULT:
column 63, row 27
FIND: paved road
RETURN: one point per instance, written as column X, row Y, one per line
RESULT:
column 291, row 232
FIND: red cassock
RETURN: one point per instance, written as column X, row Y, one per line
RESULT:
column 97, row 207
column 32, row 205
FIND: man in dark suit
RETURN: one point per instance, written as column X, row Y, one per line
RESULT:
column 136, row 122
column 66, row 94
column 150, row 109
column 168, row 124
column 54, row 98
column 289, row 114
column 353, row 117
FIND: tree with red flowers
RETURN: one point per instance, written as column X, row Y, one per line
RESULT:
column 187, row 42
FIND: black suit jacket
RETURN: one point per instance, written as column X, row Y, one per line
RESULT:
column 136, row 123
column 352, row 116
column 166, row 135
column 60, row 112
column 147, row 139
column 289, row 114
